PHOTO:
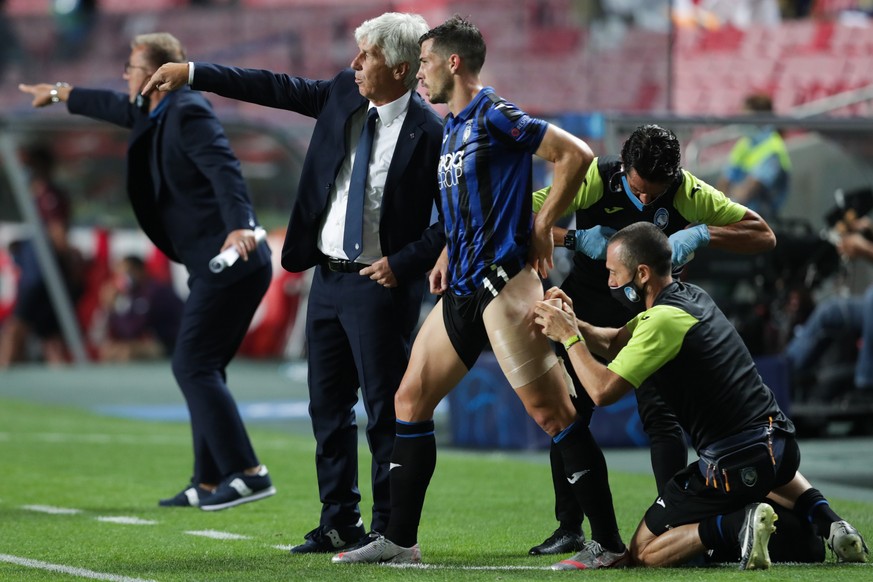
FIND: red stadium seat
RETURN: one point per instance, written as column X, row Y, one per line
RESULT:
column 23, row 7
column 274, row 319
column 140, row 5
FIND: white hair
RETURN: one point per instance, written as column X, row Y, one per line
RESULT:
column 396, row 34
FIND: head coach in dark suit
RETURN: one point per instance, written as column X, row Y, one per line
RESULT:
column 365, row 301
column 189, row 197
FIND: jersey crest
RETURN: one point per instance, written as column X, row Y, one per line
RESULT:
column 468, row 129
column 662, row 218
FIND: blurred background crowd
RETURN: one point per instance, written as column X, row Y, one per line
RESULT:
column 792, row 75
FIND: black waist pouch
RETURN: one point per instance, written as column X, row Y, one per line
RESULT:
column 742, row 463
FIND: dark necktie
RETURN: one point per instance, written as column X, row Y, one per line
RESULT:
column 352, row 238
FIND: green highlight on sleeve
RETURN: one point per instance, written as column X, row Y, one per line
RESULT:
column 589, row 192
column 699, row 202
column 657, row 337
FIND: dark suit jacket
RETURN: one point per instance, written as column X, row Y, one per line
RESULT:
column 411, row 187
column 200, row 195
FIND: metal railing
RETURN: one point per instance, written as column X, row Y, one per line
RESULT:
column 51, row 271
column 812, row 109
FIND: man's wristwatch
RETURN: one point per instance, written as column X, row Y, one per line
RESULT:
column 54, row 92
column 570, row 240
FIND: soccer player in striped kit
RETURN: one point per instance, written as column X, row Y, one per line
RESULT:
column 488, row 276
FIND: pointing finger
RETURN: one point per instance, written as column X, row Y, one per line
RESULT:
column 149, row 87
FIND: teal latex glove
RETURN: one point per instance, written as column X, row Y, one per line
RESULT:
column 685, row 242
column 592, row 241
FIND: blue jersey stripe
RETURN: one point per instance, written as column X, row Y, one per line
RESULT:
column 485, row 182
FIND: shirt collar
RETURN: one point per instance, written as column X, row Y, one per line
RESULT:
column 762, row 134
column 391, row 111
column 161, row 107
column 471, row 107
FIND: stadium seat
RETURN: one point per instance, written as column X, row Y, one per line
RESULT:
column 140, row 5
column 25, row 7
column 8, row 282
column 275, row 317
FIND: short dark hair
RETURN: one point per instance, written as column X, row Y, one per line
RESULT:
column 460, row 37
column 654, row 152
column 643, row 243
column 135, row 262
column 39, row 158
column 759, row 103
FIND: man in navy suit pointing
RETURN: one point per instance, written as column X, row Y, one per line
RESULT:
column 188, row 194
column 365, row 229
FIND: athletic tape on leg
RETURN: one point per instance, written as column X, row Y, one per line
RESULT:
column 571, row 388
column 521, row 360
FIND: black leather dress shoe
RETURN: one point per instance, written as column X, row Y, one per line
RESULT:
column 561, row 542
column 329, row 540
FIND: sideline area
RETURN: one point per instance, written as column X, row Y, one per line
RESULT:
column 274, row 393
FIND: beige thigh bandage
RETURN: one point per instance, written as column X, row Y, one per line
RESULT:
column 522, row 351
column 522, row 359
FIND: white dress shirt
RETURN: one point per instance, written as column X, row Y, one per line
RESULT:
column 330, row 239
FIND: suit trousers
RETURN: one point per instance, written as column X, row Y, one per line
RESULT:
column 358, row 336
column 214, row 322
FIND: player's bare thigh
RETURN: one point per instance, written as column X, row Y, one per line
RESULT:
column 524, row 353
column 434, row 369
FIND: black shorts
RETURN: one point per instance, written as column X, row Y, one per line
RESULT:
column 688, row 499
column 462, row 314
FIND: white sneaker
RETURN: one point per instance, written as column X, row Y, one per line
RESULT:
column 594, row 557
column 757, row 527
column 239, row 488
column 846, row 542
column 380, row 551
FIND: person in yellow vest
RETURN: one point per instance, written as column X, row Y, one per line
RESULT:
column 758, row 172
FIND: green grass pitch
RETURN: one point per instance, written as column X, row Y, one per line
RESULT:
column 483, row 511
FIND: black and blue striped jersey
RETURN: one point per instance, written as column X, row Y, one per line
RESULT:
column 485, row 184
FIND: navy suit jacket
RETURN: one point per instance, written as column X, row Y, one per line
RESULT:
column 200, row 195
column 411, row 188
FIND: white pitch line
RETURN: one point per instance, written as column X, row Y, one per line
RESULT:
column 81, row 572
column 51, row 509
column 443, row 566
column 125, row 520
column 217, row 535
column 475, row 568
